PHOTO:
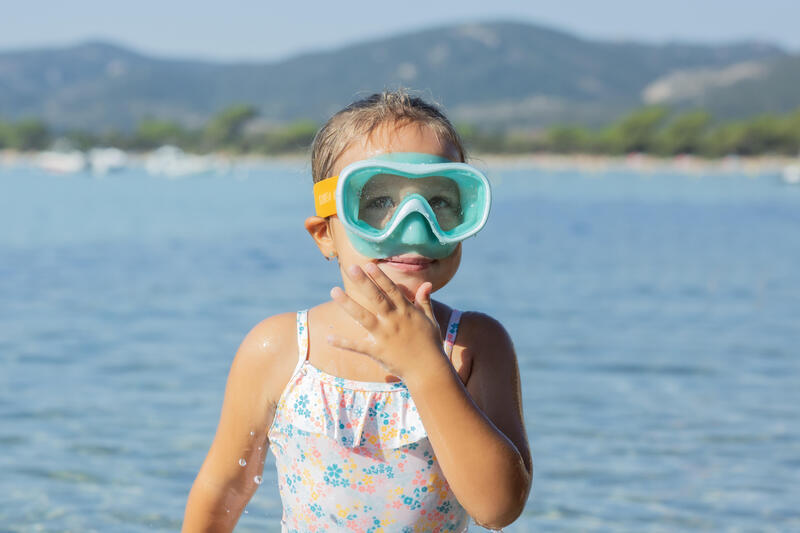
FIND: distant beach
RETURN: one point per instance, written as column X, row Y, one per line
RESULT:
column 590, row 163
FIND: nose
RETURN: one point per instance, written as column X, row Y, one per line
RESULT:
column 416, row 230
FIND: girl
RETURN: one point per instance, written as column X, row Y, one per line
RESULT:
column 376, row 422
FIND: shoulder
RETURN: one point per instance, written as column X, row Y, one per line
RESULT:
column 270, row 335
column 266, row 357
column 487, row 341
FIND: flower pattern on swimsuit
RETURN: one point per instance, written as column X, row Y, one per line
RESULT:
column 354, row 456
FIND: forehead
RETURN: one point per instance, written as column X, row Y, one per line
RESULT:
column 402, row 183
column 393, row 138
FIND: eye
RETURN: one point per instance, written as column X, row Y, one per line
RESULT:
column 380, row 202
column 439, row 202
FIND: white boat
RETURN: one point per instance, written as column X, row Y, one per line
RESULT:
column 61, row 162
column 172, row 162
column 791, row 174
column 105, row 160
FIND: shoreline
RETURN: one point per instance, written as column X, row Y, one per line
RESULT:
column 590, row 163
column 684, row 164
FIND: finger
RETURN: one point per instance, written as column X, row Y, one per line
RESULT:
column 385, row 284
column 361, row 315
column 423, row 299
column 378, row 301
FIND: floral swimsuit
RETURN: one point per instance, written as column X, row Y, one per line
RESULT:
column 354, row 456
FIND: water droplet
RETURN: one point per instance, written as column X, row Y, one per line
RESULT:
column 258, row 480
column 242, row 462
column 245, row 511
column 227, row 510
column 259, row 447
column 252, row 433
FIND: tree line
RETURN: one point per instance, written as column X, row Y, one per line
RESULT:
column 651, row 130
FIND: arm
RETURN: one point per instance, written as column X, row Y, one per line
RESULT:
column 257, row 376
column 476, row 432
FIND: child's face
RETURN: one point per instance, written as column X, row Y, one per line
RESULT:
column 408, row 271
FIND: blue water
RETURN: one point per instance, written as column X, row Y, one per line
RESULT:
column 656, row 319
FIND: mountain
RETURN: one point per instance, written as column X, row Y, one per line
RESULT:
column 492, row 73
column 755, row 86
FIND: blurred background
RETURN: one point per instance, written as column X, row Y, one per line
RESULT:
column 643, row 247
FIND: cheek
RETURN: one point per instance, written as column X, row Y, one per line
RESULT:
column 447, row 269
column 453, row 262
column 341, row 242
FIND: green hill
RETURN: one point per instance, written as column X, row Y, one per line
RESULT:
column 494, row 73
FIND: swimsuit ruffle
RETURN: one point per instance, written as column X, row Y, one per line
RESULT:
column 353, row 413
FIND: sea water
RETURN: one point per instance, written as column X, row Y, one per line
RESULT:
column 656, row 318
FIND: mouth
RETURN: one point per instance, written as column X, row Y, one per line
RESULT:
column 408, row 262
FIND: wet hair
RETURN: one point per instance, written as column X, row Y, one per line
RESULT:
column 361, row 118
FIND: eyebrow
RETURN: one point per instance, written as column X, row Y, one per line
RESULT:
column 439, row 183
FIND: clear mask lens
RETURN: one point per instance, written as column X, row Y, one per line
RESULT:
column 382, row 194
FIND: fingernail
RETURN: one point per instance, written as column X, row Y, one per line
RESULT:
column 371, row 267
column 355, row 271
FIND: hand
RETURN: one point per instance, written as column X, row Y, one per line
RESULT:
column 403, row 337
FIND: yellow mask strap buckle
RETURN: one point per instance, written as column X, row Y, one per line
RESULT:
column 325, row 196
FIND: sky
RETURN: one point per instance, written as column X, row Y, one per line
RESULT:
column 268, row 30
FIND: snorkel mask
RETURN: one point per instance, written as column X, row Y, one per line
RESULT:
column 400, row 203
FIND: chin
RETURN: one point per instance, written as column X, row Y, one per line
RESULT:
column 410, row 271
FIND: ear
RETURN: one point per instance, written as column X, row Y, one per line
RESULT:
column 320, row 231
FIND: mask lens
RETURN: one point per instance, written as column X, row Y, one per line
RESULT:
column 382, row 194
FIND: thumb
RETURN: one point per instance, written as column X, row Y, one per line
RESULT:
column 423, row 300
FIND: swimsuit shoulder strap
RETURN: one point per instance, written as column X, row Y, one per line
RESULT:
column 302, row 338
column 451, row 332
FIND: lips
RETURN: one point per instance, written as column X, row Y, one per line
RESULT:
column 408, row 262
